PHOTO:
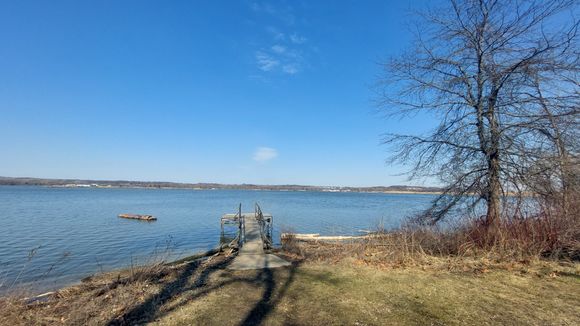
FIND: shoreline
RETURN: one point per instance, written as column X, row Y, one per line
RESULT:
column 394, row 192
column 323, row 289
column 41, row 291
column 84, row 183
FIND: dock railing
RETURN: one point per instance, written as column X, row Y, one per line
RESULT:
column 242, row 227
column 265, row 226
column 240, row 237
column 264, row 223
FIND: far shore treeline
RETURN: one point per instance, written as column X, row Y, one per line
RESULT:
column 10, row 181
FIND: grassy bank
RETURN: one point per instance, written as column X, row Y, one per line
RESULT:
column 316, row 289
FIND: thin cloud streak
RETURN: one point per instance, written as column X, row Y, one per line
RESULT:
column 297, row 39
column 265, row 154
column 282, row 12
column 290, row 69
column 278, row 48
column 266, row 62
column 286, row 52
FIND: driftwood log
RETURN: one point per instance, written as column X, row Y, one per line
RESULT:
column 318, row 237
column 138, row 217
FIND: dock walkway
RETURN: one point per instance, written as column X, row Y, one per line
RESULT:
column 251, row 254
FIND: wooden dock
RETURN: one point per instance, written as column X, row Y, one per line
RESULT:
column 255, row 235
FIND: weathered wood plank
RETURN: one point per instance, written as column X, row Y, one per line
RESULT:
column 138, row 217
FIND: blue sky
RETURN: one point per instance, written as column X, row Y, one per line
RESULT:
column 199, row 91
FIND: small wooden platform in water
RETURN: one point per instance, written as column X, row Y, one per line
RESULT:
column 139, row 217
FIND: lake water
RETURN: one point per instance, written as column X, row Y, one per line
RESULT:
column 75, row 232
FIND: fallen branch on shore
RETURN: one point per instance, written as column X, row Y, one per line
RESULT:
column 318, row 237
column 39, row 298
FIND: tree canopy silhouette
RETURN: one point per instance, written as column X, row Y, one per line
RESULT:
column 501, row 79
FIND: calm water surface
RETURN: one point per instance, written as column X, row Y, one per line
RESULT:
column 75, row 232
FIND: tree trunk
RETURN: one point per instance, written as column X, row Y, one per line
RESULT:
column 493, row 197
column 493, row 164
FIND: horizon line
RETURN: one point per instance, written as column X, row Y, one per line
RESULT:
column 216, row 183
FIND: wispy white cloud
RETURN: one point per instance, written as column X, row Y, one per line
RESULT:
column 264, row 154
column 277, row 48
column 282, row 12
column 290, row 69
column 276, row 34
column 294, row 54
column 279, row 58
column 297, row 39
column 266, row 62
column 286, row 52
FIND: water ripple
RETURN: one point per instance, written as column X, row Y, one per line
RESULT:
column 76, row 232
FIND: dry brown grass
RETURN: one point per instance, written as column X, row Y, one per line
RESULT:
column 515, row 241
column 333, row 284
column 343, row 294
column 387, row 255
column 118, row 298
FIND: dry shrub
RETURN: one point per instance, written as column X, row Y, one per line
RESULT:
column 389, row 249
column 520, row 238
column 95, row 301
column 107, row 298
column 290, row 244
column 552, row 232
column 98, row 299
column 466, row 245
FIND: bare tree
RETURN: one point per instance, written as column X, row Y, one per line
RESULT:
column 500, row 76
column 552, row 169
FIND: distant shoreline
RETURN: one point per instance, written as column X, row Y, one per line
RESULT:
column 117, row 184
